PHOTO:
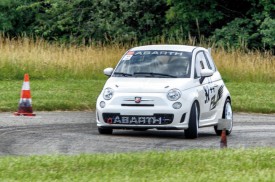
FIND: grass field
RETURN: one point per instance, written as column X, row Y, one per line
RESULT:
column 67, row 77
column 43, row 60
column 238, row 66
column 190, row 165
column 81, row 95
column 252, row 97
column 70, row 78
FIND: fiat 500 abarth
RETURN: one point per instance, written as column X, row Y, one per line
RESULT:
column 164, row 87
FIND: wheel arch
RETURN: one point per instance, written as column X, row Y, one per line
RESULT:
column 228, row 97
column 220, row 111
column 198, row 104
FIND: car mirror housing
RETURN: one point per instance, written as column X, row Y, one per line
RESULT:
column 205, row 73
column 108, row 71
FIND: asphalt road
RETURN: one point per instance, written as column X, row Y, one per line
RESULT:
column 76, row 132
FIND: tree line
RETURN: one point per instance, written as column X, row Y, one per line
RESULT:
column 227, row 23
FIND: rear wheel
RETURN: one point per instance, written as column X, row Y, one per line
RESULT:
column 227, row 114
column 192, row 131
column 105, row 131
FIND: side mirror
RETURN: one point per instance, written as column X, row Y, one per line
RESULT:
column 205, row 73
column 108, row 71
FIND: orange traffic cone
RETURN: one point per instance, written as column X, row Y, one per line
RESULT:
column 25, row 103
column 223, row 143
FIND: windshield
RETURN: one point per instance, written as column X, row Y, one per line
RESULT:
column 154, row 63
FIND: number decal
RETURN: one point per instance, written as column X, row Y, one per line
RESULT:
column 214, row 100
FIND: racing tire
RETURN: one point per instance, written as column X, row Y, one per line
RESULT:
column 105, row 131
column 227, row 114
column 192, row 131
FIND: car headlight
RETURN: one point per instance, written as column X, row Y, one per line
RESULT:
column 108, row 93
column 173, row 94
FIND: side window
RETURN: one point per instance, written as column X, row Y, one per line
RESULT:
column 201, row 63
column 210, row 62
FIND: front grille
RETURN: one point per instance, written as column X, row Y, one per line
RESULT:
column 138, row 105
column 156, row 119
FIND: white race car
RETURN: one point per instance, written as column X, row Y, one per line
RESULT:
column 166, row 87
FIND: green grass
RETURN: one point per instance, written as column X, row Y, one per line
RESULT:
column 190, row 165
column 49, row 95
column 53, row 68
column 50, row 60
column 252, row 97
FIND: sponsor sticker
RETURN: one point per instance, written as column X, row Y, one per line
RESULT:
column 127, row 57
column 130, row 53
column 136, row 120
column 166, row 53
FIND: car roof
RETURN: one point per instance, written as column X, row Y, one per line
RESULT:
column 165, row 47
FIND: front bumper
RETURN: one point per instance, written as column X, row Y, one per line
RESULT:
column 155, row 111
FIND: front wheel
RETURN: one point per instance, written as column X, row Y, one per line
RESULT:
column 192, row 131
column 227, row 114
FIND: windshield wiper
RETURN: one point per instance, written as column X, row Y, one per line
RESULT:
column 123, row 74
column 151, row 74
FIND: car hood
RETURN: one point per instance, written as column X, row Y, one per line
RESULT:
column 147, row 85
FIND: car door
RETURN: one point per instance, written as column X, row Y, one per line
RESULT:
column 216, row 82
column 205, row 90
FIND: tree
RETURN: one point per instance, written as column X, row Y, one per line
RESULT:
column 99, row 20
column 192, row 17
column 235, row 23
column 255, row 29
column 14, row 20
